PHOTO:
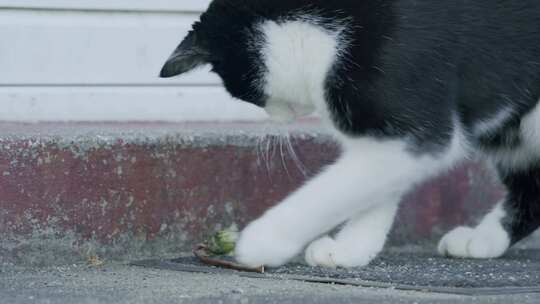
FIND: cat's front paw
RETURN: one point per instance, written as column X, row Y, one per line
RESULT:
column 261, row 244
column 465, row 242
column 327, row 252
column 321, row 253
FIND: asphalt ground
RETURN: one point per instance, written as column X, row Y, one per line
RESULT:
column 121, row 283
column 403, row 269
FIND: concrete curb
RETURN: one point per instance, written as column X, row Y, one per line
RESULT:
column 126, row 191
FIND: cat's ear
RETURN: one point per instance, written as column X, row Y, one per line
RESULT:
column 187, row 56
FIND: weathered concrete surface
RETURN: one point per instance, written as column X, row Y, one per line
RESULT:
column 138, row 190
column 115, row 283
column 69, row 191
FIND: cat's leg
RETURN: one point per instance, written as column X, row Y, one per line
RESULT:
column 360, row 240
column 512, row 220
column 487, row 240
column 369, row 172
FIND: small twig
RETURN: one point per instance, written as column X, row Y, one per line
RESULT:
column 201, row 252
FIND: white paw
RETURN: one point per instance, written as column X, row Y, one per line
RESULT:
column 465, row 242
column 327, row 252
column 262, row 244
column 321, row 253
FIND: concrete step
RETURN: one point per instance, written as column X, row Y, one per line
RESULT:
column 134, row 190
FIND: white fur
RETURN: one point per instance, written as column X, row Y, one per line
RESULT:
column 298, row 56
column 361, row 240
column 492, row 124
column 488, row 240
column 529, row 150
column 370, row 173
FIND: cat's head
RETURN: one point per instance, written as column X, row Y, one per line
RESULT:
column 274, row 57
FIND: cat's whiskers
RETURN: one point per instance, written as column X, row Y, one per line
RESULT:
column 283, row 161
column 294, row 156
column 258, row 149
column 267, row 147
column 267, row 154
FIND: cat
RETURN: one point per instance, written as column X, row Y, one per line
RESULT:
column 408, row 87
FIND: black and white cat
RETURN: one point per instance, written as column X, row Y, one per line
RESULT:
column 410, row 87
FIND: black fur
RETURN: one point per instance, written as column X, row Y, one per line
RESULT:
column 522, row 204
column 413, row 68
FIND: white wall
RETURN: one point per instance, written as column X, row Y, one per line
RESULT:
column 99, row 60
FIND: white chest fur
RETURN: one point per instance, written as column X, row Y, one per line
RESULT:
column 298, row 56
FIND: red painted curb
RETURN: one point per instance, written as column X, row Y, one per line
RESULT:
column 135, row 190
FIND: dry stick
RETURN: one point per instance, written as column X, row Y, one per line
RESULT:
column 201, row 252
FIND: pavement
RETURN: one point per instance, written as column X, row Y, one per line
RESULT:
column 120, row 283
column 408, row 268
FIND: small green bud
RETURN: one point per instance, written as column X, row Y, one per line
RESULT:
column 223, row 242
